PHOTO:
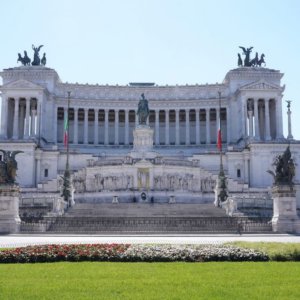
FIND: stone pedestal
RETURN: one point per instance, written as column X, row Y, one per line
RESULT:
column 9, row 209
column 142, row 138
column 285, row 218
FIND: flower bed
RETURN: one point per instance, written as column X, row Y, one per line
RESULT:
column 130, row 253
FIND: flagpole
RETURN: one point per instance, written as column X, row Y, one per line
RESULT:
column 68, row 131
column 66, row 192
column 222, row 181
column 220, row 133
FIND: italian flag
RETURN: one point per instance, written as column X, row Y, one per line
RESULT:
column 66, row 125
column 219, row 141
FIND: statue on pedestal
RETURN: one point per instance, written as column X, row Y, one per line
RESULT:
column 143, row 110
column 284, row 169
column 8, row 167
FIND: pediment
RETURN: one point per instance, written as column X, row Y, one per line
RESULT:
column 22, row 84
column 261, row 85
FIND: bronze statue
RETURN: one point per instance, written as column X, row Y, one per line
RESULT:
column 284, row 169
column 44, row 60
column 255, row 62
column 240, row 61
column 36, row 57
column 246, row 52
column 261, row 60
column 143, row 110
column 8, row 167
column 24, row 60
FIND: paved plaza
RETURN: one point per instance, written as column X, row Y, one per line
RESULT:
column 8, row 241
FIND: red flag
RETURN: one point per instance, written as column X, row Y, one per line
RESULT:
column 219, row 142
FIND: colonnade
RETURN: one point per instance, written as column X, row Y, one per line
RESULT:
column 115, row 126
column 264, row 120
column 20, row 118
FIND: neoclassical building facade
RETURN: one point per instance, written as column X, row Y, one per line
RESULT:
column 185, row 119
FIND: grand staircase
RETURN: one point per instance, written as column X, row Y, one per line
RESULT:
column 147, row 218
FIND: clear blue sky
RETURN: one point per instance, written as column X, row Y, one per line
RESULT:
column 162, row 41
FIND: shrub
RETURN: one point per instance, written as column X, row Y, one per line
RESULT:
column 130, row 253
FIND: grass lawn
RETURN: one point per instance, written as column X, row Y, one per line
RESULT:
column 276, row 251
column 184, row 281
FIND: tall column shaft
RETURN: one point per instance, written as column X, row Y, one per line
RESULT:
column 197, row 127
column 54, row 125
column 85, row 126
column 38, row 118
column 96, row 126
column 250, row 116
column 4, row 117
column 256, row 120
column 32, row 126
column 243, row 116
column 106, row 127
column 157, row 127
column 218, row 124
column 177, row 129
column 228, row 125
column 187, row 126
column 167, row 140
column 279, row 127
column 16, row 120
column 27, row 112
column 75, row 131
column 126, row 127
column 116, row 127
column 21, row 121
column 267, row 120
column 207, row 123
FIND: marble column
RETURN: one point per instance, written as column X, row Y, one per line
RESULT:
column 218, row 124
column 197, row 127
column 126, row 140
column 250, row 116
column 75, row 130
column 16, row 120
column 54, row 125
column 256, row 120
column 96, row 126
column 267, row 121
column 228, row 125
column 290, row 136
column 279, row 127
column 85, row 126
column 38, row 118
column 32, row 126
column 157, row 127
column 243, row 117
column 21, row 121
column 187, row 126
column 116, row 127
column 4, row 117
column 177, row 129
column 27, row 114
column 207, row 123
column 106, row 127
column 167, row 128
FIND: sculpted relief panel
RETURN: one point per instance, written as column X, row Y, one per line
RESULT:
column 143, row 178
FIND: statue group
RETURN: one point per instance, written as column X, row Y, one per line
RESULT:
column 37, row 61
column 248, row 62
column 8, row 167
column 284, row 169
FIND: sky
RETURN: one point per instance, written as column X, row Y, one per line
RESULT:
column 161, row 41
